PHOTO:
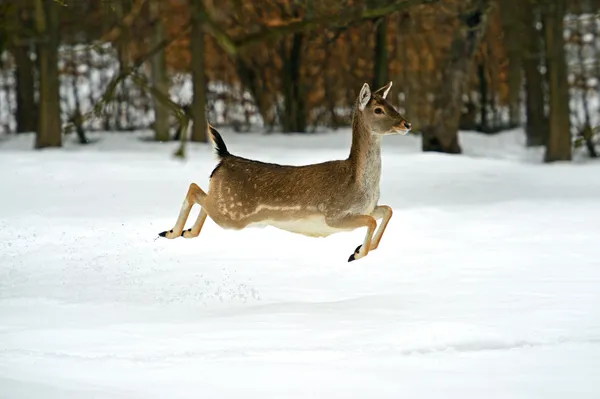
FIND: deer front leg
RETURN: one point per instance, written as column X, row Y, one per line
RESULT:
column 352, row 222
column 384, row 213
column 195, row 195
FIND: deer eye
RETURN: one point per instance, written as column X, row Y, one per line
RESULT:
column 379, row 111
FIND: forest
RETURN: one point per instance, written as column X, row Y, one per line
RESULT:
column 75, row 66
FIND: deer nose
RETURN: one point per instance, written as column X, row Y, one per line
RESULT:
column 406, row 124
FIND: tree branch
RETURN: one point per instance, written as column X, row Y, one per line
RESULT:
column 178, row 111
column 132, row 69
column 126, row 23
column 274, row 32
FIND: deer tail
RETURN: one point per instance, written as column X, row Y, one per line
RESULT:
column 219, row 146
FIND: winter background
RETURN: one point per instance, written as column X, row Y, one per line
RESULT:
column 486, row 282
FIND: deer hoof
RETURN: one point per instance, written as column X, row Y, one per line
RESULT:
column 353, row 256
column 186, row 231
column 165, row 233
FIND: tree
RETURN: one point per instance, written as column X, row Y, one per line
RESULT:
column 122, row 9
column 380, row 64
column 49, row 131
column 24, row 77
column 158, row 67
column 294, row 111
column 198, row 108
column 21, row 44
column 483, row 94
column 558, row 147
column 287, row 26
column 513, row 33
column 536, row 127
column 441, row 134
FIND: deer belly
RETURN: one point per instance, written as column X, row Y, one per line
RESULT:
column 312, row 226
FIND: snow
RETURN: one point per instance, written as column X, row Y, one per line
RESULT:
column 485, row 283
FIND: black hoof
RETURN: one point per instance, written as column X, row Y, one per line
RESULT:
column 164, row 233
column 183, row 232
column 353, row 256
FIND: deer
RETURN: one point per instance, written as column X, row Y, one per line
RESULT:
column 314, row 200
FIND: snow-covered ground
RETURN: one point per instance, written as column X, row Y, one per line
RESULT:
column 485, row 285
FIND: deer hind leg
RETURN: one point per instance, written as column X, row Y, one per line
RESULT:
column 352, row 222
column 384, row 213
column 195, row 195
column 194, row 231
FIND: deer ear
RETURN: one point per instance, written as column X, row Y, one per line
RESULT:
column 364, row 97
column 383, row 91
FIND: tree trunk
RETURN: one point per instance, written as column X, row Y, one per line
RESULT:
column 255, row 85
column 558, row 147
column 294, row 113
column 585, row 132
column 77, row 117
column 513, row 34
column 441, row 134
column 536, row 126
column 380, row 65
column 483, row 102
column 27, row 112
column 49, row 131
column 121, row 8
column 198, row 109
column 158, row 66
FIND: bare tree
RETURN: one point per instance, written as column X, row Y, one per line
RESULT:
column 198, row 108
column 536, row 127
column 513, row 33
column 294, row 111
column 380, row 66
column 584, row 127
column 160, row 79
column 20, row 38
column 49, row 131
column 122, row 8
column 24, row 77
column 558, row 147
column 441, row 134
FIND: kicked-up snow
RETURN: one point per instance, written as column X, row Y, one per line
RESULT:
column 486, row 283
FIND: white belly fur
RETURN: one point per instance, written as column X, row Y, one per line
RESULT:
column 312, row 226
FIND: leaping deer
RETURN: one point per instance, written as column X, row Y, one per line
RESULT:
column 315, row 200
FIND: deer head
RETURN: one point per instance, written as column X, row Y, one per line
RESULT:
column 380, row 115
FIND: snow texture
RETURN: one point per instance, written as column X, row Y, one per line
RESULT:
column 485, row 285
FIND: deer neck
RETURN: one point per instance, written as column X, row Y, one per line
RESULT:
column 365, row 153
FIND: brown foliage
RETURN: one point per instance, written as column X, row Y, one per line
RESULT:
column 334, row 59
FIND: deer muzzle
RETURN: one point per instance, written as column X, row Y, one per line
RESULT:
column 402, row 128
